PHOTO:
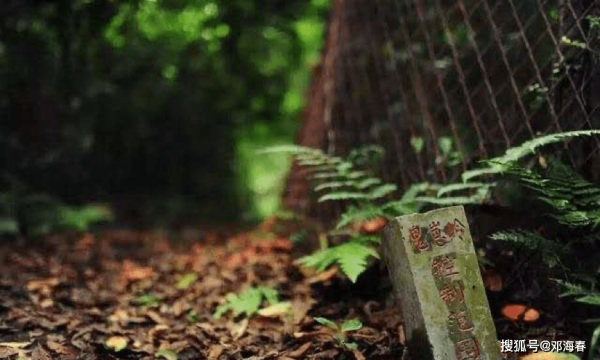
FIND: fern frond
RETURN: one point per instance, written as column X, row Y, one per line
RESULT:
column 359, row 214
column 529, row 147
column 448, row 201
column 498, row 164
column 573, row 199
column 351, row 256
column 343, row 195
column 582, row 294
column 551, row 250
column 381, row 191
column 357, row 174
column 401, row 207
column 334, row 185
column 474, row 173
column 463, row 186
column 363, row 184
column 325, row 175
column 367, row 239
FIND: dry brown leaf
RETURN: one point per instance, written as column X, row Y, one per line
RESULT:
column 39, row 353
column 16, row 345
column 132, row 272
column 215, row 352
column 7, row 352
column 300, row 351
column 323, row 276
column 358, row 355
column 238, row 330
column 492, row 280
column 87, row 241
column 43, row 284
column 276, row 310
column 301, row 308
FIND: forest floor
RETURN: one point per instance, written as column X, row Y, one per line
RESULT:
column 85, row 296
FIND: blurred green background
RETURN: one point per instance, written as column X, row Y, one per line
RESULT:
column 155, row 106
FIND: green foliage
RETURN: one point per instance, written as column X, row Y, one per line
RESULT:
column 589, row 297
column 340, row 331
column 574, row 201
column 351, row 257
column 149, row 300
column 360, row 214
column 330, row 324
column 186, row 280
column 499, row 164
column 40, row 214
column 185, row 82
column 248, row 302
column 551, row 251
column 167, row 354
column 348, row 179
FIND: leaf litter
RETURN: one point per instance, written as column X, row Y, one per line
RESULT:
column 127, row 294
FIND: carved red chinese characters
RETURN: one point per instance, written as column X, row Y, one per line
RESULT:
column 417, row 239
column 452, row 294
column 439, row 238
column 443, row 267
column 462, row 320
column 467, row 349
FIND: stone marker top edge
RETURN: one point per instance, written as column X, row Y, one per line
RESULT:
column 428, row 213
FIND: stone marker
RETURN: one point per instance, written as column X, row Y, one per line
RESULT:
column 434, row 271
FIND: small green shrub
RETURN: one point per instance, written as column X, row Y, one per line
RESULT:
column 340, row 331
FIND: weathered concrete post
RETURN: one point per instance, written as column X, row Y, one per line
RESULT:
column 434, row 271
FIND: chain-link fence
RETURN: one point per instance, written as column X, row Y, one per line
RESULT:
column 441, row 84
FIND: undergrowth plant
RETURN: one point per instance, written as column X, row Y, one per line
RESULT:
column 352, row 179
column 248, row 302
column 340, row 331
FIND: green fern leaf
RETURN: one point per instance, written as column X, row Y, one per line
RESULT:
column 498, row 165
column 463, row 186
column 359, row 214
column 382, row 190
column 551, row 251
column 334, row 185
column 529, row 147
column 352, row 258
column 357, row 174
column 247, row 302
column 342, row 195
column 363, row 184
column 326, row 175
column 448, row 201
column 492, row 170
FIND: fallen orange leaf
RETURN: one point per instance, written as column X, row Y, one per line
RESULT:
column 516, row 312
column 531, row 315
column 373, row 226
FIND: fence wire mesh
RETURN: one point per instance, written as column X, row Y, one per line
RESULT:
column 430, row 78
